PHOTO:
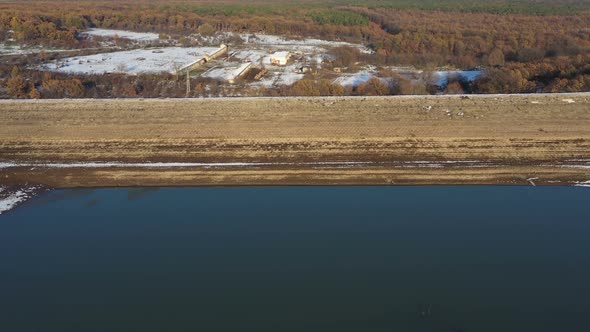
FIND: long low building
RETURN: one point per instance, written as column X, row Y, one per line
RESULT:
column 280, row 58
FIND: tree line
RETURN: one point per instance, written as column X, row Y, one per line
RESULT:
column 520, row 53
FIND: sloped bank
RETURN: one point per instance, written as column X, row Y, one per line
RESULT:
column 412, row 140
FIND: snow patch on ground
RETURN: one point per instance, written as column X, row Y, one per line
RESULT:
column 8, row 203
column 119, row 164
column 156, row 60
column 257, row 57
column 583, row 184
column 170, row 165
column 281, row 76
column 135, row 36
column 10, row 199
column 288, row 76
column 576, row 166
column 6, row 165
column 414, row 163
column 354, row 80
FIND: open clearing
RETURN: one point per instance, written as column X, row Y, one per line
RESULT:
column 255, row 49
column 147, row 53
column 513, row 139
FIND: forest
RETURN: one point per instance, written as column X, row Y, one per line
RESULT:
column 523, row 45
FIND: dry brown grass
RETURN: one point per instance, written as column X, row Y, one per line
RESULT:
column 523, row 131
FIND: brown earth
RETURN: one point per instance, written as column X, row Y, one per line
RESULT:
column 509, row 139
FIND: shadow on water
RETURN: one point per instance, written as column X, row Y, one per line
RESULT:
column 134, row 194
column 60, row 195
column 92, row 203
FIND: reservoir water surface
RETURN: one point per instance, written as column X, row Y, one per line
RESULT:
column 298, row 259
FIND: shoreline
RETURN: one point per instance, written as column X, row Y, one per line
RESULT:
column 16, row 196
column 114, row 177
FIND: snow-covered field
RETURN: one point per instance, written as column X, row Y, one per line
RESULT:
column 301, row 45
column 130, row 35
column 157, row 60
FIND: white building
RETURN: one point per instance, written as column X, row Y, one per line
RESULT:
column 280, row 58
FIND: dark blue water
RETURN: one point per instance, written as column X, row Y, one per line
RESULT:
column 298, row 259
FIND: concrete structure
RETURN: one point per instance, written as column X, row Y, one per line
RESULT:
column 240, row 72
column 280, row 58
column 223, row 49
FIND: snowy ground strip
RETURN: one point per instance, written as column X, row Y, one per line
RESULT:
column 582, row 184
column 135, row 36
column 307, row 44
column 354, row 80
column 577, row 164
column 134, row 165
column 573, row 166
column 328, row 164
column 19, row 50
column 6, row 165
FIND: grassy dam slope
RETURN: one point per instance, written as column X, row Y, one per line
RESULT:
column 540, row 139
